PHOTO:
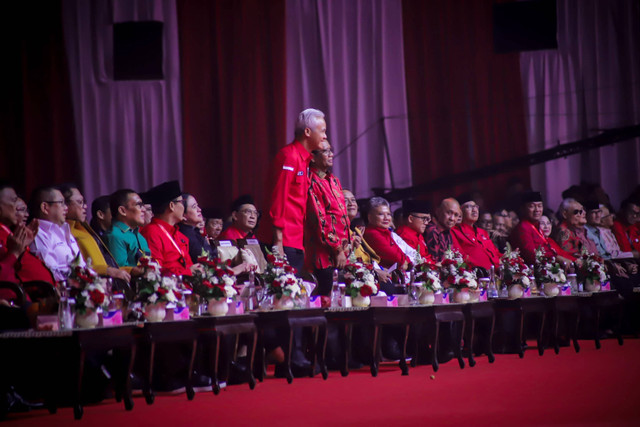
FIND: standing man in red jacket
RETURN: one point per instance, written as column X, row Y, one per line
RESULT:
column 288, row 188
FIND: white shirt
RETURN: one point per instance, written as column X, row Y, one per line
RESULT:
column 57, row 248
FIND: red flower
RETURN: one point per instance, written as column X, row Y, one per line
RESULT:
column 207, row 284
column 203, row 260
column 464, row 281
column 177, row 294
column 162, row 291
column 271, row 258
column 366, row 291
column 276, row 284
column 96, row 296
column 165, row 272
column 451, row 280
column 288, row 268
column 144, row 261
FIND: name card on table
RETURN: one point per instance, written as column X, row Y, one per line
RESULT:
column 384, row 301
column 483, row 295
column 236, row 307
column 346, row 302
column 565, row 290
column 526, row 293
column 111, row 318
column 178, row 313
column 48, row 322
column 441, row 298
column 606, row 286
column 315, row 301
column 252, row 242
column 225, row 243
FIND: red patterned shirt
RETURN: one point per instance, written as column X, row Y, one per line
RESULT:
column 327, row 222
column 574, row 239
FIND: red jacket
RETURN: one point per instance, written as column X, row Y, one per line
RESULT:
column 27, row 267
column 476, row 246
column 288, row 189
column 233, row 233
column 527, row 237
column 414, row 239
column 382, row 243
column 168, row 246
column 628, row 236
column 327, row 222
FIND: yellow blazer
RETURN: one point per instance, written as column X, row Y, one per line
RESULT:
column 89, row 247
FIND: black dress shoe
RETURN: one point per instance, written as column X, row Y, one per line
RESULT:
column 391, row 349
column 238, row 373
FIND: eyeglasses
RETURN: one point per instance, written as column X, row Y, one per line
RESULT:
column 425, row 218
column 139, row 204
column 81, row 202
column 25, row 210
column 53, row 202
column 250, row 212
column 325, row 152
column 180, row 200
column 578, row 211
column 471, row 207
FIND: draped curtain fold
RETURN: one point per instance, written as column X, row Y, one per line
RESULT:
column 464, row 100
column 37, row 140
column 591, row 82
column 128, row 132
column 345, row 58
column 233, row 84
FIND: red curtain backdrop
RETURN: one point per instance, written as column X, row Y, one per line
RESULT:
column 37, row 139
column 234, row 95
column 464, row 100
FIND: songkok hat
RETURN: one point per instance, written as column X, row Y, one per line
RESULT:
column 531, row 196
column 591, row 206
column 242, row 200
column 417, row 206
column 163, row 193
column 212, row 213
column 464, row 198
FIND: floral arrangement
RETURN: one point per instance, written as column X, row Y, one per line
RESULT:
column 428, row 274
column 216, row 280
column 547, row 269
column 154, row 287
column 455, row 273
column 359, row 280
column 591, row 267
column 87, row 288
column 514, row 270
column 280, row 278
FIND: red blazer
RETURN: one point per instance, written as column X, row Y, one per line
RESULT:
column 628, row 236
column 383, row 244
column 168, row 246
column 413, row 239
column 287, row 204
column 476, row 246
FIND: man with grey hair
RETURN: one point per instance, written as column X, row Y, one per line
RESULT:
column 572, row 236
column 283, row 226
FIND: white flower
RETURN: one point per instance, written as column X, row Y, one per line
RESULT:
column 168, row 282
column 230, row 291
column 228, row 281
column 152, row 298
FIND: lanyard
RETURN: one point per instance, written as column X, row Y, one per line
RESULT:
column 182, row 257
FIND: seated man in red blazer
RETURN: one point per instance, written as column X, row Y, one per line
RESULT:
column 474, row 242
column 416, row 215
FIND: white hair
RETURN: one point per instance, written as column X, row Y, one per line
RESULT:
column 374, row 202
column 307, row 119
column 565, row 205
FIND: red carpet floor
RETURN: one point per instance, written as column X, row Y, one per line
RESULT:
column 593, row 387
